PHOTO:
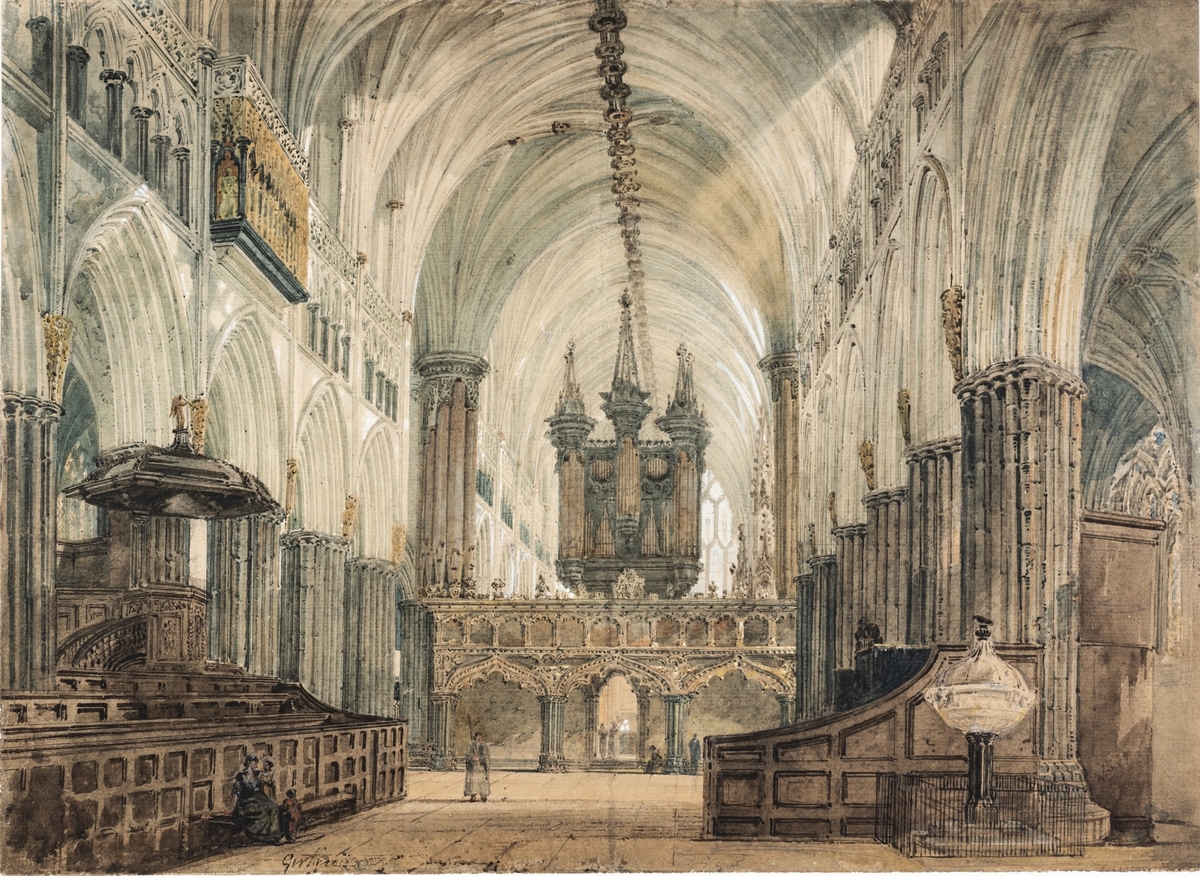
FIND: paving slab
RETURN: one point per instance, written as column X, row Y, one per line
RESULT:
column 607, row 822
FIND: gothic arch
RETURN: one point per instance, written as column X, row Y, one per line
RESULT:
column 133, row 333
column 322, row 456
column 771, row 679
column 889, row 370
column 378, row 489
column 466, row 676
column 25, row 287
column 599, row 670
column 934, row 404
column 77, row 446
column 246, row 409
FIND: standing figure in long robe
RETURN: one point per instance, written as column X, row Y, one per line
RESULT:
column 478, row 782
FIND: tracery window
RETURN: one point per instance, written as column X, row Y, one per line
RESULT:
column 716, row 536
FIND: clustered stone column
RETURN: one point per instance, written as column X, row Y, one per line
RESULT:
column 414, row 635
column 312, row 609
column 370, row 630
column 160, row 164
column 450, row 386
column 77, row 61
column 183, row 182
column 850, row 603
column 443, row 712
column 243, row 592
column 29, row 485
column 114, row 88
column 140, row 158
column 1022, row 520
column 787, row 709
column 936, row 612
column 885, row 559
column 643, row 722
column 816, row 637
column 677, row 714
column 591, row 720
column 783, row 371
column 551, row 758
column 41, row 51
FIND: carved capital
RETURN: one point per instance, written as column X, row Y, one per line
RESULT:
column 779, row 366
column 308, row 537
column 372, row 566
column 29, row 407
column 395, row 205
column 113, row 78
column 1027, row 375
column 78, row 54
column 206, row 54
column 142, row 113
column 930, row 449
column 438, row 372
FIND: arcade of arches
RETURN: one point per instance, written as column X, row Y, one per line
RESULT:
column 607, row 372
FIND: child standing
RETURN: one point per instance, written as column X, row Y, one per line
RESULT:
column 291, row 816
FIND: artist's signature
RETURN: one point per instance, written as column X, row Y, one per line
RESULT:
column 322, row 861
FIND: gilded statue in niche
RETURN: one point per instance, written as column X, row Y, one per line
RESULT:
column 225, row 187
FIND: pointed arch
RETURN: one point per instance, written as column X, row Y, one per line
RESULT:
column 132, row 343
column 772, row 679
column 321, row 454
column 934, row 407
column 25, row 296
column 246, row 412
column 598, row 671
column 378, row 488
column 466, row 676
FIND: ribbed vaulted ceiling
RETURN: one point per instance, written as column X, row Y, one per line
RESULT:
column 745, row 116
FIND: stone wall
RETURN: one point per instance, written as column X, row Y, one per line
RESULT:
column 100, row 779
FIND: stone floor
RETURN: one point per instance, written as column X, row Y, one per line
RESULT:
column 590, row 822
